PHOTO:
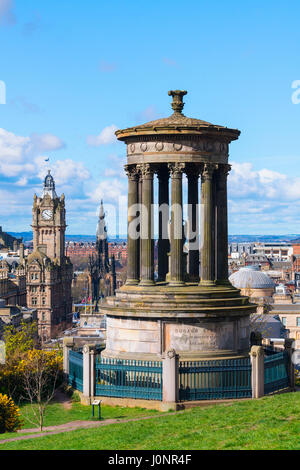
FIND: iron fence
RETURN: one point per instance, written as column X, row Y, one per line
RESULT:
column 128, row 378
column 276, row 372
column 213, row 380
column 76, row 370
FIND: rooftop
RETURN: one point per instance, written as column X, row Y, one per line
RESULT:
column 177, row 123
column 251, row 278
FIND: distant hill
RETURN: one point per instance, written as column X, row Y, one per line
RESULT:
column 262, row 238
column 27, row 237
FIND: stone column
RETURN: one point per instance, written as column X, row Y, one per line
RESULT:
column 193, row 222
column 88, row 373
column 177, row 276
column 207, row 235
column 170, row 379
column 147, row 240
column 257, row 371
column 68, row 344
column 289, row 346
column 133, row 236
column 222, row 224
column 163, row 246
column 140, row 185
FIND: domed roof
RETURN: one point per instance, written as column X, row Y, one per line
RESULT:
column 177, row 123
column 49, row 186
column 251, row 278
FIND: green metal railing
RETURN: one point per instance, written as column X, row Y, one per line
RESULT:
column 215, row 380
column 76, row 370
column 276, row 372
column 128, row 378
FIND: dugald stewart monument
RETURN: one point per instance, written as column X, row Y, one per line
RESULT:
column 188, row 306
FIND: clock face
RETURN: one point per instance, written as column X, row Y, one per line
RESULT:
column 47, row 214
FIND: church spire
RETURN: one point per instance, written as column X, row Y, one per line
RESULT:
column 101, row 228
column 101, row 212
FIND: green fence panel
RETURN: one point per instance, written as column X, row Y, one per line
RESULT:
column 276, row 372
column 76, row 370
column 214, row 380
column 128, row 378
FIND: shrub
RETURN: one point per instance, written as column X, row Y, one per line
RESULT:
column 76, row 397
column 10, row 418
column 33, row 365
column 19, row 340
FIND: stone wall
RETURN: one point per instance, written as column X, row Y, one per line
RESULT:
column 202, row 337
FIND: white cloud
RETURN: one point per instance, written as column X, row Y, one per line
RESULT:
column 109, row 190
column 148, row 114
column 245, row 182
column 106, row 136
column 12, row 147
column 23, row 181
column 19, row 155
column 264, row 201
column 109, row 172
column 45, row 143
column 65, row 171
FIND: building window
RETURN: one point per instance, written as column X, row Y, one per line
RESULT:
column 283, row 321
column 34, row 301
column 43, row 316
column 298, row 321
column 43, row 301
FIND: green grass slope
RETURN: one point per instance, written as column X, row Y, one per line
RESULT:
column 268, row 423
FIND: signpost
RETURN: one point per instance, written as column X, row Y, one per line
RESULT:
column 96, row 403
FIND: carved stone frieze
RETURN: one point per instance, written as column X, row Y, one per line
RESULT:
column 184, row 146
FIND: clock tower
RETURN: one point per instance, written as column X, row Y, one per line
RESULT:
column 49, row 221
column 49, row 271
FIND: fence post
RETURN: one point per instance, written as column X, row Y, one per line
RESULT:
column 88, row 372
column 256, row 338
column 257, row 371
column 68, row 344
column 170, row 374
column 289, row 346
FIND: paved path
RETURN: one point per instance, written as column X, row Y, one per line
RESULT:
column 62, row 398
column 72, row 426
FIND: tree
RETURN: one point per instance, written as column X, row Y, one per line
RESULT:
column 19, row 340
column 42, row 372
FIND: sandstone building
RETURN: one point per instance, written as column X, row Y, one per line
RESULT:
column 48, row 271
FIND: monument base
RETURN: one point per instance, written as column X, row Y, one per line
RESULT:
column 199, row 323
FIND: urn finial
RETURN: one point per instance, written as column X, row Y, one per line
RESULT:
column 177, row 104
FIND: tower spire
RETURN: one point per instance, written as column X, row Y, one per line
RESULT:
column 101, row 227
column 49, row 186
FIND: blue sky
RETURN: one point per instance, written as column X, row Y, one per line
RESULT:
column 77, row 70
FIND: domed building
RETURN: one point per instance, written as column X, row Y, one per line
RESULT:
column 255, row 284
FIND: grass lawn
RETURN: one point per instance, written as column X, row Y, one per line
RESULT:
column 268, row 423
column 56, row 414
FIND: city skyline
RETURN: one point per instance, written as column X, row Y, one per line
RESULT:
column 69, row 86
